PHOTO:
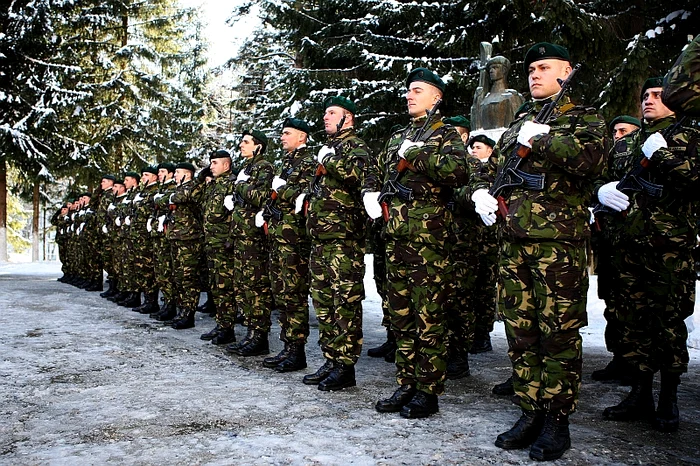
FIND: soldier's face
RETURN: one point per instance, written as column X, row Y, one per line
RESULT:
column 247, row 146
column 481, row 151
column 130, row 182
column 543, row 75
column 163, row 174
column 652, row 106
column 64, row 210
column 621, row 129
column 292, row 139
column 332, row 117
column 463, row 134
column 118, row 189
column 421, row 97
column 84, row 200
column 148, row 178
column 219, row 166
column 106, row 184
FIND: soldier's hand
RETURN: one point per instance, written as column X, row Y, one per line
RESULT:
column 242, row 177
column 653, row 143
column 148, row 225
column 324, row 152
column 111, row 206
column 104, row 229
column 609, row 195
column 259, row 220
column 118, row 221
column 158, row 196
column 138, row 198
column 127, row 220
column 488, row 219
column 372, row 206
column 484, row 203
column 277, row 183
column 529, row 130
column 299, row 203
column 161, row 222
column 407, row 144
column 228, row 202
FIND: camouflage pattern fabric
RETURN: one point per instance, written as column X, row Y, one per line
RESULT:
column 144, row 267
column 187, row 264
column 681, row 89
column 119, row 254
column 105, row 249
column 126, row 257
column 162, row 249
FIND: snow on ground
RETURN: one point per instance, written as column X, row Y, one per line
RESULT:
column 84, row 381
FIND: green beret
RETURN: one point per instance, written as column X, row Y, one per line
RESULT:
column 426, row 76
column 657, row 81
column 298, row 124
column 220, row 154
column 483, row 139
column 340, row 101
column 70, row 200
column 150, row 169
column 134, row 175
column 258, row 136
column 119, row 181
column 625, row 119
column 86, row 194
column 543, row 51
column 185, row 166
column 167, row 165
column 109, row 177
column 459, row 120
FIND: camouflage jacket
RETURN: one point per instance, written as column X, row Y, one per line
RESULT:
column 186, row 223
column 106, row 199
column 161, row 202
column 297, row 170
column 438, row 166
column 142, row 211
column 570, row 158
column 217, row 218
column 251, row 195
column 467, row 225
column 59, row 222
column 336, row 210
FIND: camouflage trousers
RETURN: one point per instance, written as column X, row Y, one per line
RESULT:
column 126, row 263
column 163, row 267
column 337, row 290
column 106, row 254
column 289, row 276
column 419, row 280
column 660, row 286
column 460, row 306
column 144, row 264
column 251, row 282
column 187, row 264
column 486, row 283
column 608, row 259
column 221, row 267
column 544, row 293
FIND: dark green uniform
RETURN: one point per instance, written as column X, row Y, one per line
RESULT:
column 162, row 247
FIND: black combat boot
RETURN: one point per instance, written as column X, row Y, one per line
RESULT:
column 385, row 348
column 273, row 361
column 225, row 336
column 295, row 360
column 119, row 296
column 457, row 364
column 111, row 289
column 639, row 404
column 318, row 376
column 401, row 397
column 210, row 334
column 257, row 345
column 667, row 416
column 422, row 405
column 151, row 303
column 342, row 376
column 167, row 312
column 137, row 308
column 233, row 349
column 133, row 300
column 554, row 439
column 523, row 433
column 184, row 320
column 208, row 307
column 482, row 342
column 95, row 285
column 615, row 371
column 505, row 388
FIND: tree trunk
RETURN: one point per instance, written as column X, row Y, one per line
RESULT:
column 35, row 223
column 3, row 210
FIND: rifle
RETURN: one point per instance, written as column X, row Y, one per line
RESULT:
column 510, row 176
column 314, row 188
column 392, row 187
column 270, row 210
column 237, row 198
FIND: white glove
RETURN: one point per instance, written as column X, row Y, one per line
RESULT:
column 277, row 183
column 127, row 220
column 138, row 198
column 591, row 219
column 125, row 201
column 104, row 229
column 609, row 195
column 170, row 199
column 259, row 220
column 72, row 227
column 81, row 227
column 161, row 222
column 299, row 203
column 407, row 144
column 158, row 196
column 488, row 219
column 228, row 202
column 529, row 130
column 242, row 177
column 111, row 206
column 118, row 221
column 653, row 143
column 372, row 206
column 148, row 225
column 324, row 152
column 82, row 212
column 484, row 203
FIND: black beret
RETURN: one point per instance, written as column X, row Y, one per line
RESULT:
column 298, row 124
column 220, row 154
column 86, row 194
column 482, row 138
column 459, row 120
column 340, row 101
column 150, row 169
column 426, row 76
column 133, row 175
column 259, row 137
column 185, row 166
column 543, row 51
column 167, row 166
column 657, row 81
column 625, row 119
column 119, row 181
column 109, row 177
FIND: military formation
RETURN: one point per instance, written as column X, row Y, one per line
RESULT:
column 463, row 230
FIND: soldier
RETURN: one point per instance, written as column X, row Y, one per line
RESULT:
column 336, row 225
column 290, row 246
column 462, row 125
column 141, row 229
column 220, row 259
column 58, row 220
column 112, row 226
column 251, row 277
column 623, row 125
column 129, row 296
column 418, row 231
column 90, row 267
column 543, row 260
column 105, row 248
column 653, row 247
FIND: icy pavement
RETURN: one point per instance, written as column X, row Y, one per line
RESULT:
column 83, row 381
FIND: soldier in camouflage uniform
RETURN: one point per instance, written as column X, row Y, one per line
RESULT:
column 418, row 233
column 653, row 249
column 105, row 248
column 185, row 233
column 251, row 278
column 162, row 249
column 58, row 221
column 119, row 194
column 90, row 267
column 128, row 296
column 290, row 246
column 220, row 259
column 543, row 262
column 336, row 225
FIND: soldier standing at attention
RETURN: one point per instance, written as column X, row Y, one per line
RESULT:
column 336, row 225
column 128, row 297
column 117, row 252
column 104, row 247
column 543, row 261
column 419, row 237
column 144, row 252
column 58, row 220
column 290, row 246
